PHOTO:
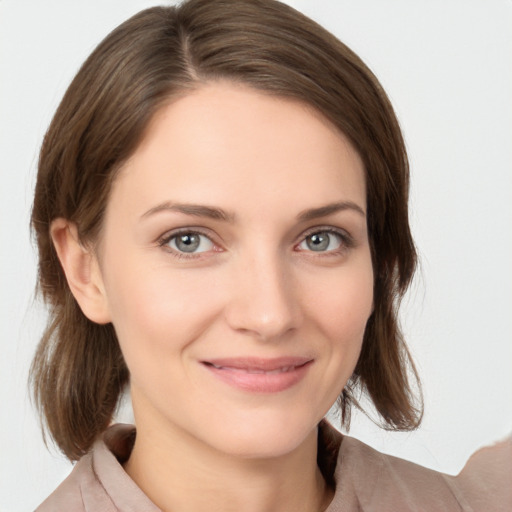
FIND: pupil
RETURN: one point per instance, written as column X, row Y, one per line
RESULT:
column 187, row 243
column 318, row 242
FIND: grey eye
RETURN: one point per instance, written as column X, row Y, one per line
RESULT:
column 187, row 243
column 191, row 243
column 321, row 242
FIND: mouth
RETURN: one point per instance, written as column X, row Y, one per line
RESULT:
column 260, row 375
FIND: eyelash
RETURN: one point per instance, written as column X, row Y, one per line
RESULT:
column 347, row 242
column 162, row 242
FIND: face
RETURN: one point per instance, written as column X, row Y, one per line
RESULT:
column 236, row 269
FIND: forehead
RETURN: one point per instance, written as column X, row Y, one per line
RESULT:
column 224, row 141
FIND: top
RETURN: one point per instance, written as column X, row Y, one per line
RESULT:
column 365, row 480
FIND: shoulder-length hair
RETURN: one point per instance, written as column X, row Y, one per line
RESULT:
column 78, row 372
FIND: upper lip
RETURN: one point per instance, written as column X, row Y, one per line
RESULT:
column 258, row 363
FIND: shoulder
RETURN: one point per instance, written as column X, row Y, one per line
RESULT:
column 367, row 480
column 486, row 480
column 98, row 480
column 68, row 496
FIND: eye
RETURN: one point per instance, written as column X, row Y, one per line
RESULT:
column 189, row 242
column 322, row 241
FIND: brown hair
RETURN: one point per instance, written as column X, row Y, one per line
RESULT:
column 78, row 371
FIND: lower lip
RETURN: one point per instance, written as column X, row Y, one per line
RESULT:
column 260, row 382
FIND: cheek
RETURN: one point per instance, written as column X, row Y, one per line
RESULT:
column 158, row 308
column 343, row 305
column 340, row 310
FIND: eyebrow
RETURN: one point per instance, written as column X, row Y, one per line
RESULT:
column 197, row 210
column 211, row 212
column 324, row 211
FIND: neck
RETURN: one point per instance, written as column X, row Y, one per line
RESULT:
column 179, row 473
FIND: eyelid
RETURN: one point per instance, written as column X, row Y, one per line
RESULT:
column 163, row 240
column 347, row 238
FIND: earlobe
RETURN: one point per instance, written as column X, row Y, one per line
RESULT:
column 82, row 271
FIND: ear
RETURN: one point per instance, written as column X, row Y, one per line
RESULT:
column 82, row 271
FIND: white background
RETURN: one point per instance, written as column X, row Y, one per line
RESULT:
column 447, row 66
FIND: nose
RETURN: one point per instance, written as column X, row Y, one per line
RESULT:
column 263, row 300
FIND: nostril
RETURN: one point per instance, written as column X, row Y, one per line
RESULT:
column 262, row 303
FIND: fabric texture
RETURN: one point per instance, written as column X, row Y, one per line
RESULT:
column 365, row 479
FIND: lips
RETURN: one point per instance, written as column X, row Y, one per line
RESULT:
column 260, row 375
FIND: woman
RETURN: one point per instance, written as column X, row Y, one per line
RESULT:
column 171, row 263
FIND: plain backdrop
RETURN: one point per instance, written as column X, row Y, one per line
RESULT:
column 447, row 66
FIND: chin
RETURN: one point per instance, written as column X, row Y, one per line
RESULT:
column 263, row 438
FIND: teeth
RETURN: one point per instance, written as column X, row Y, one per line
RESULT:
column 281, row 370
column 284, row 369
column 256, row 370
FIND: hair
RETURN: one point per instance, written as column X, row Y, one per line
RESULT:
column 161, row 53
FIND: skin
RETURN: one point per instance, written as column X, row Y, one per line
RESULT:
column 253, row 288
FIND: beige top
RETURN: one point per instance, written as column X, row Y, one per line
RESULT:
column 365, row 479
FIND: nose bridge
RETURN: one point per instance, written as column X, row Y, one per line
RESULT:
column 263, row 302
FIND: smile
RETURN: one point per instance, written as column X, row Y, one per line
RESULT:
column 260, row 375
column 257, row 370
